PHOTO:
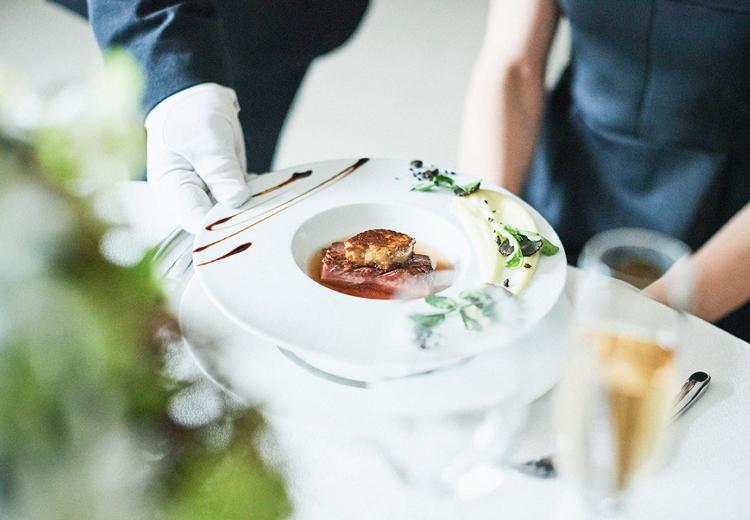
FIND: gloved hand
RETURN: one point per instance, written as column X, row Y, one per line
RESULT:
column 196, row 152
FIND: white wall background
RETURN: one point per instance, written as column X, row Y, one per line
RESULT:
column 395, row 90
column 45, row 43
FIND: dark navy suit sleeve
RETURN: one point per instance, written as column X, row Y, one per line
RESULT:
column 178, row 42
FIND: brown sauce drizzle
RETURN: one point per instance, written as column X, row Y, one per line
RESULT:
column 236, row 250
column 288, row 204
column 212, row 225
column 295, row 177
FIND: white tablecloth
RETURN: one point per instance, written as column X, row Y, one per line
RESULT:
column 705, row 475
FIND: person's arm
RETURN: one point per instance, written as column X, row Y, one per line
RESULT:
column 722, row 271
column 195, row 146
column 177, row 42
column 505, row 98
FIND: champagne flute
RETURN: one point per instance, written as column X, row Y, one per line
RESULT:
column 615, row 400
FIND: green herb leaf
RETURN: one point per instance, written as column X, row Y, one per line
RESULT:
column 469, row 322
column 515, row 259
column 465, row 191
column 482, row 301
column 548, row 248
column 472, row 296
column 534, row 237
column 428, row 320
column 441, row 302
column 434, row 179
column 472, row 187
column 489, row 311
column 423, row 186
column 422, row 336
column 478, row 298
column 443, row 181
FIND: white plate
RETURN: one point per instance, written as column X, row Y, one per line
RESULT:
column 265, row 286
column 259, row 373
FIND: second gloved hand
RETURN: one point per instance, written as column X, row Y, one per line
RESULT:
column 196, row 152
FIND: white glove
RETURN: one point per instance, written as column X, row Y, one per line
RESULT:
column 196, row 152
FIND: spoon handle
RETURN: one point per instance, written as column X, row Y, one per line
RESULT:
column 691, row 389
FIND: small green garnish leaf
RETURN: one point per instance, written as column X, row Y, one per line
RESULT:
column 534, row 237
column 515, row 259
column 472, row 296
column 489, row 311
column 423, row 335
column 471, row 188
column 423, row 186
column 475, row 308
column 433, row 179
column 443, row 181
column 428, row 320
column 548, row 248
column 441, row 302
column 469, row 322
column 477, row 298
column 465, row 191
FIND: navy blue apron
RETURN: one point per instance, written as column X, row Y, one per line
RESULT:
column 649, row 125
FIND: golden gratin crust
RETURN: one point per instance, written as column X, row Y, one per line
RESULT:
column 381, row 248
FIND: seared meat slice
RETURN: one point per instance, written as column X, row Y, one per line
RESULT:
column 381, row 248
column 413, row 280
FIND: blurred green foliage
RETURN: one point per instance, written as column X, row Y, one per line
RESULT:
column 84, row 424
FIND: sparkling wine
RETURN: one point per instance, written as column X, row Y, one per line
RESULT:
column 639, row 381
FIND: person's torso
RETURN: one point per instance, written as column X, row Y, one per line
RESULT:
column 671, row 71
column 650, row 124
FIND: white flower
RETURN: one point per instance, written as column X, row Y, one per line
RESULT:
column 91, row 134
column 20, row 107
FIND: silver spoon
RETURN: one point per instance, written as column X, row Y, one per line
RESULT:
column 691, row 390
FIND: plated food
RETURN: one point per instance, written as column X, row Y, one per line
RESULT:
column 330, row 259
column 502, row 231
column 504, row 236
column 377, row 263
